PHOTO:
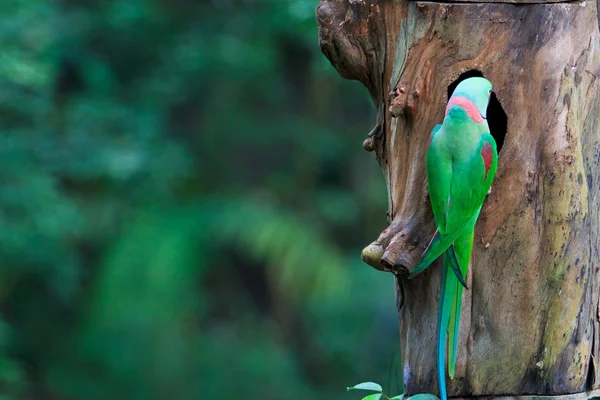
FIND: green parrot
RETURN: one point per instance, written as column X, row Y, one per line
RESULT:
column 461, row 164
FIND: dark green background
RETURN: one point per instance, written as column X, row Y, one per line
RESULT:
column 183, row 202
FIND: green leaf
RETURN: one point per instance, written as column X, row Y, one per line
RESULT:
column 375, row 396
column 367, row 386
column 399, row 397
column 423, row 396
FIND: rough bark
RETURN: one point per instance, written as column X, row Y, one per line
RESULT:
column 530, row 321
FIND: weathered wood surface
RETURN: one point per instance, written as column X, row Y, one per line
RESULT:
column 530, row 321
column 509, row 1
column 594, row 394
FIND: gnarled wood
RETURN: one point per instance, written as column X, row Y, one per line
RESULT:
column 530, row 321
column 514, row 1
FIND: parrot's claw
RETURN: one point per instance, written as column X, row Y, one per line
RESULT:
column 489, row 191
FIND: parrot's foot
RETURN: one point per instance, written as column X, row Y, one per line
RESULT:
column 489, row 191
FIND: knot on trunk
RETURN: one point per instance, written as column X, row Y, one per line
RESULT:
column 403, row 103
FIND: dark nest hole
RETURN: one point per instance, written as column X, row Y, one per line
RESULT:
column 496, row 117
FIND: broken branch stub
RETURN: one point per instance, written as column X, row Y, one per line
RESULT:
column 353, row 35
column 350, row 34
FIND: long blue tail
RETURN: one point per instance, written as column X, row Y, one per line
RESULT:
column 447, row 293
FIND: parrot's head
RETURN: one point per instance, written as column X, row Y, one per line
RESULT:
column 477, row 90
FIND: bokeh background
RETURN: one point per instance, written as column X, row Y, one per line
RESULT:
column 183, row 202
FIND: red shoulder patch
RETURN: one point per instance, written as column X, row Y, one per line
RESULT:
column 486, row 154
column 467, row 105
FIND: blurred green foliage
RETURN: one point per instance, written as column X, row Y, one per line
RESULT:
column 183, row 200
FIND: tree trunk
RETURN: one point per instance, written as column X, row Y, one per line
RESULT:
column 530, row 319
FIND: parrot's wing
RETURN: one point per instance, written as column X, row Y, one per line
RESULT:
column 457, row 193
column 439, row 179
